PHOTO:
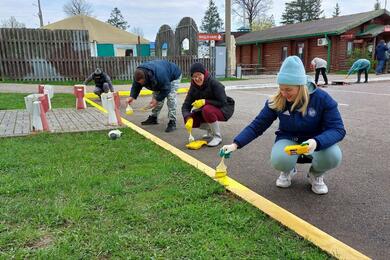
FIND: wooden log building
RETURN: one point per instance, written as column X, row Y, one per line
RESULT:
column 332, row 39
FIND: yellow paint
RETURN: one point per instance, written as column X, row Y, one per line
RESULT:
column 144, row 92
column 319, row 238
column 129, row 110
column 221, row 169
column 195, row 145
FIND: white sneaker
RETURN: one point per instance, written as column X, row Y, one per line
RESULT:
column 318, row 185
column 284, row 180
column 215, row 141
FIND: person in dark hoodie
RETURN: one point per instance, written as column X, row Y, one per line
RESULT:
column 380, row 54
column 102, row 81
column 163, row 78
column 206, row 104
column 307, row 115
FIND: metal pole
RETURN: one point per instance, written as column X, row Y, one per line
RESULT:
column 40, row 13
column 228, row 17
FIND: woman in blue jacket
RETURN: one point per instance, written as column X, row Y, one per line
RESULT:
column 306, row 115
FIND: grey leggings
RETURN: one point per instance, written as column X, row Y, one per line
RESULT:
column 323, row 160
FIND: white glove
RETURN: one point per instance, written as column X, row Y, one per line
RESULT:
column 312, row 146
column 227, row 149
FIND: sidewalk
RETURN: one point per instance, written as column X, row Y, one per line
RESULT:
column 257, row 81
column 17, row 122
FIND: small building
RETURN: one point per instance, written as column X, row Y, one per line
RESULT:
column 332, row 39
column 105, row 39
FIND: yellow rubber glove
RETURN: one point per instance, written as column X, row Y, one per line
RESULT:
column 189, row 123
column 199, row 103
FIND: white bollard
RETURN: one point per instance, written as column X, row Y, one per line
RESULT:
column 36, row 110
column 36, row 122
column 109, row 105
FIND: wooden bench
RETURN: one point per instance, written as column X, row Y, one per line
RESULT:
column 251, row 69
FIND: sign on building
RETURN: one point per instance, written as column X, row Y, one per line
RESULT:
column 209, row 37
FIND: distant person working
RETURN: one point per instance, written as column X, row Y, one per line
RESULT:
column 380, row 54
column 102, row 82
column 320, row 66
column 360, row 66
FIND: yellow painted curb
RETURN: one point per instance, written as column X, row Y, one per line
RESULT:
column 144, row 92
column 318, row 237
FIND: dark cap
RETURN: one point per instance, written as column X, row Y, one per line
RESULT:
column 197, row 67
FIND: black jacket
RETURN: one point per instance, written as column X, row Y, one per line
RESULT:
column 214, row 94
column 99, row 79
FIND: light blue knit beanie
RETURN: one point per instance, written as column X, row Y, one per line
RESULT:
column 292, row 72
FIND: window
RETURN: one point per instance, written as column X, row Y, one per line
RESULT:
column 129, row 52
column 284, row 52
column 300, row 50
column 349, row 48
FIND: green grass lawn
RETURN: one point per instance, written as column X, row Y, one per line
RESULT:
column 16, row 101
column 80, row 195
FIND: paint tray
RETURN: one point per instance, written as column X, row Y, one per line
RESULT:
column 195, row 145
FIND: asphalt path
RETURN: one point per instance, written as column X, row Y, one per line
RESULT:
column 357, row 208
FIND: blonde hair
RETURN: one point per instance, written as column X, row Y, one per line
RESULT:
column 278, row 102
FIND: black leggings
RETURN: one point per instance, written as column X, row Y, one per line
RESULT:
column 323, row 72
column 365, row 75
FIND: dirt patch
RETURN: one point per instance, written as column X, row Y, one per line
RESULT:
column 43, row 242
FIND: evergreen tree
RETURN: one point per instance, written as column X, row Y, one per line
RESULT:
column 211, row 22
column 301, row 11
column 313, row 10
column 336, row 10
column 117, row 20
column 377, row 5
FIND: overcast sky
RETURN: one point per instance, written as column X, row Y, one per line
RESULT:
column 149, row 15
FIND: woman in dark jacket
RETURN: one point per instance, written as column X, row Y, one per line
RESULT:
column 209, row 104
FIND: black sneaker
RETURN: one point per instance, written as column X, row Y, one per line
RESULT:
column 171, row 126
column 152, row 120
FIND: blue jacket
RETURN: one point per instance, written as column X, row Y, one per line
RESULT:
column 359, row 65
column 322, row 122
column 160, row 75
column 380, row 51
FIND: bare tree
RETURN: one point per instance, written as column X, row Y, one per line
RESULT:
column 12, row 23
column 138, row 31
column 76, row 7
column 251, row 9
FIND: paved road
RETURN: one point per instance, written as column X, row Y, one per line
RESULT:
column 249, row 82
column 357, row 208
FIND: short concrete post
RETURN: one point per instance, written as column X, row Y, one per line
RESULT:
column 79, row 92
column 37, row 111
column 36, row 122
column 108, row 102
column 117, row 101
column 47, row 90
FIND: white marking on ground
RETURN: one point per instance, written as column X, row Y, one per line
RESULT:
column 359, row 92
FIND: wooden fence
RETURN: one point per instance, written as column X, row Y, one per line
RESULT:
column 50, row 55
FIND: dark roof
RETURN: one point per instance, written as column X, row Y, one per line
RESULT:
column 330, row 26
